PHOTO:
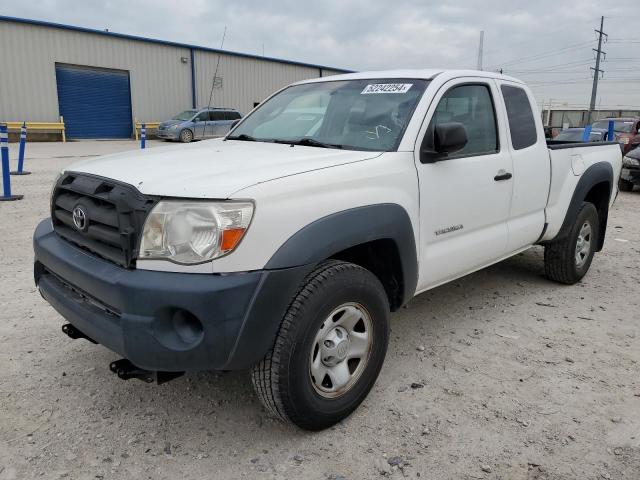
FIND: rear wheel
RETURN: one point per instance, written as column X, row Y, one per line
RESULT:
column 625, row 185
column 186, row 135
column 568, row 260
column 329, row 349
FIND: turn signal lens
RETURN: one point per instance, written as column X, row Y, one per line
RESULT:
column 231, row 238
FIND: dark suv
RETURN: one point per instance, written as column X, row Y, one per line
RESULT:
column 630, row 174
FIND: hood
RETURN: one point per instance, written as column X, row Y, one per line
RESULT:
column 169, row 123
column 213, row 168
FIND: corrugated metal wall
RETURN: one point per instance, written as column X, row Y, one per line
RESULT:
column 244, row 80
column 160, row 81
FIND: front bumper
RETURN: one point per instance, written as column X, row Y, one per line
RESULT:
column 168, row 134
column 141, row 315
column 631, row 174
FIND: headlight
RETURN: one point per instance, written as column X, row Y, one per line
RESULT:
column 188, row 232
column 630, row 162
column 174, row 127
column 624, row 140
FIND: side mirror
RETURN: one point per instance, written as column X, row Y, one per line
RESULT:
column 448, row 138
column 196, row 119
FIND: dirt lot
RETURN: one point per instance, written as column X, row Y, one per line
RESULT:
column 518, row 378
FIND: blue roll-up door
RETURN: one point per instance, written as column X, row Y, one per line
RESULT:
column 95, row 102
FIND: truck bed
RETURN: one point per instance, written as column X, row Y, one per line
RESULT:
column 568, row 161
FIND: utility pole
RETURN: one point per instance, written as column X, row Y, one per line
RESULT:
column 596, row 71
column 480, row 50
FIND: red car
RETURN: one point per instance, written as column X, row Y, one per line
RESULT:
column 626, row 131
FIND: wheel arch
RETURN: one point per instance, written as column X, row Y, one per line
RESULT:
column 595, row 186
column 378, row 237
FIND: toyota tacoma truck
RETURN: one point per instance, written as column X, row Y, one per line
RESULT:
column 284, row 246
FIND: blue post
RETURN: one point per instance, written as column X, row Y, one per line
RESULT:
column 6, row 179
column 143, row 135
column 611, row 135
column 23, row 141
column 586, row 134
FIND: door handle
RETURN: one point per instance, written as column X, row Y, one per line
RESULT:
column 502, row 175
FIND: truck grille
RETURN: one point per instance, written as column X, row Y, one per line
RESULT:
column 100, row 215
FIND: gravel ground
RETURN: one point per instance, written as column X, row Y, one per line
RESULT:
column 501, row 374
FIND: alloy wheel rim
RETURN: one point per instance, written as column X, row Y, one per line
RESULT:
column 340, row 350
column 583, row 244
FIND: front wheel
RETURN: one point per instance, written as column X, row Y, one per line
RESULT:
column 186, row 135
column 329, row 349
column 568, row 260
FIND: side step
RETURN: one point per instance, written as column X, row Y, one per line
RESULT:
column 126, row 370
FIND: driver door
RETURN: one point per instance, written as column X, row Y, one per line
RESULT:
column 200, row 124
column 464, row 197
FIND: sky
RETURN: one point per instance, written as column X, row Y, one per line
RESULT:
column 546, row 43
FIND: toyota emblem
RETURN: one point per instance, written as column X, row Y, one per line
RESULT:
column 80, row 218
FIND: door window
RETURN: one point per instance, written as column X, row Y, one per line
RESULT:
column 217, row 115
column 202, row 117
column 472, row 106
column 521, row 122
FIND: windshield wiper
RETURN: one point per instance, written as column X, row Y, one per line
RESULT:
column 311, row 142
column 243, row 137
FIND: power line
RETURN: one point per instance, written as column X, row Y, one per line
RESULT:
column 549, row 53
column 554, row 67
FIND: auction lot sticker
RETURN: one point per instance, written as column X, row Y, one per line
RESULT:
column 386, row 88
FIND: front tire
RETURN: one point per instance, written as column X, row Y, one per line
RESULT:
column 329, row 349
column 625, row 185
column 568, row 260
column 186, row 136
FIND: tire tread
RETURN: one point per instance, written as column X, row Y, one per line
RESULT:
column 265, row 374
column 559, row 255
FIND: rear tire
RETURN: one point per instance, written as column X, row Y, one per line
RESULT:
column 625, row 185
column 329, row 349
column 568, row 260
column 186, row 136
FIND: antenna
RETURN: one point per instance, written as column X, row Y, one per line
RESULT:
column 215, row 74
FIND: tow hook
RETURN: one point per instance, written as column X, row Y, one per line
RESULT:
column 126, row 370
column 74, row 333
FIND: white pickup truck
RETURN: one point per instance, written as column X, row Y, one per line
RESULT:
column 284, row 246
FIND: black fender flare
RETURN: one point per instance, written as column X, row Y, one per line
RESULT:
column 348, row 228
column 601, row 172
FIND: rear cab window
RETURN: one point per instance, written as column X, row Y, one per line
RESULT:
column 522, row 124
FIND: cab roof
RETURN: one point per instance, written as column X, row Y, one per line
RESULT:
column 425, row 74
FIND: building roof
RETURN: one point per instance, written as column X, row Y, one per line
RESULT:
column 74, row 28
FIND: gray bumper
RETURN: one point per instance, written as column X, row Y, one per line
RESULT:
column 133, row 312
column 168, row 134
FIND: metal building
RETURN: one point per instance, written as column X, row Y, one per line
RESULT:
column 101, row 81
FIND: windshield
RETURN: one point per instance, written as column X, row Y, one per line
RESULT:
column 621, row 127
column 576, row 136
column 570, row 136
column 186, row 115
column 349, row 114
